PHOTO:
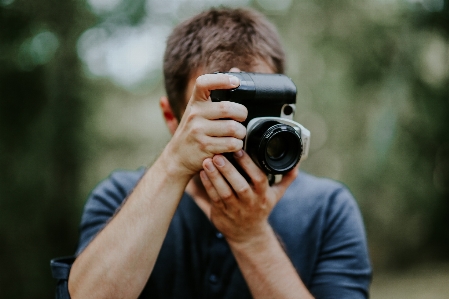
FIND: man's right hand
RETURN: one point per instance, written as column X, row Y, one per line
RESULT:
column 207, row 128
column 119, row 260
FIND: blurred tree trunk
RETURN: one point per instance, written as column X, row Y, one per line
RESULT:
column 432, row 100
column 42, row 148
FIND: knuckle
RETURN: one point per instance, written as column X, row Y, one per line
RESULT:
column 241, row 130
column 196, row 129
column 203, row 144
column 258, row 179
column 233, row 128
column 224, row 108
column 235, row 145
column 193, row 114
column 227, row 195
column 243, row 190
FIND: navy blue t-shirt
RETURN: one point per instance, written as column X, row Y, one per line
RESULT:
column 317, row 221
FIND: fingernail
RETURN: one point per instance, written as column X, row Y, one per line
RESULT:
column 219, row 161
column 209, row 166
column 238, row 154
column 234, row 81
column 204, row 176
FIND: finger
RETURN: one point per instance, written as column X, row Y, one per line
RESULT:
column 205, row 83
column 225, row 128
column 211, row 192
column 205, row 201
column 257, row 176
column 218, row 145
column 235, row 179
column 224, row 191
column 223, row 109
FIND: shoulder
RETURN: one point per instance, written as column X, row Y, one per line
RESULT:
column 309, row 185
column 316, row 195
column 111, row 192
column 326, row 206
column 321, row 225
column 120, row 180
column 313, row 208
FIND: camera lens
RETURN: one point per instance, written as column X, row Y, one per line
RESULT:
column 274, row 146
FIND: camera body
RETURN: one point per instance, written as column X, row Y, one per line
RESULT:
column 273, row 140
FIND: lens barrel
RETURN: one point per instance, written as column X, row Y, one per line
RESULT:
column 274, row 146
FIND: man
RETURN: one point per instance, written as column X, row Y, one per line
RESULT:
column 191, row 226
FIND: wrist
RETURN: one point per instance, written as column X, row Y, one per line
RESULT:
column 171, row 164
column 257, row 242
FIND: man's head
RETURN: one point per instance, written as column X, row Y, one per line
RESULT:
column 217, row 40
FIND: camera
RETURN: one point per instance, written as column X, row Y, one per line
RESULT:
column 273, row 140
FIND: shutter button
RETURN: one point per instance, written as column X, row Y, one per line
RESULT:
column 219, row 235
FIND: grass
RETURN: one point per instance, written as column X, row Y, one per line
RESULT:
column 423, row 282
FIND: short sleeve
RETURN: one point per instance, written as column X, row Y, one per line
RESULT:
column 103, row 203
column 343, row 268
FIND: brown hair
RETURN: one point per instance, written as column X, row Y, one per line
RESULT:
column 217, row 40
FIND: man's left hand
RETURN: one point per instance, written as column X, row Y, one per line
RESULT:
column 240, row 209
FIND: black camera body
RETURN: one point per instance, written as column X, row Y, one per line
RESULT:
column 273, row 140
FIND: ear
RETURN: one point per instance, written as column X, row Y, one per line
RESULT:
column 169, row 116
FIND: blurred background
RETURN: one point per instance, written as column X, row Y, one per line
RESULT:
column 79, row 87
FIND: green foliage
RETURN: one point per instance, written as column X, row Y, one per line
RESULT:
column 42, row 148
column 380, row 86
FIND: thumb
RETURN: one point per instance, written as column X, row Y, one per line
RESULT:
column 205, row 83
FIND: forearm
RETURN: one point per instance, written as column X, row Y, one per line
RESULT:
column 267, row 268
column 118, row 262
